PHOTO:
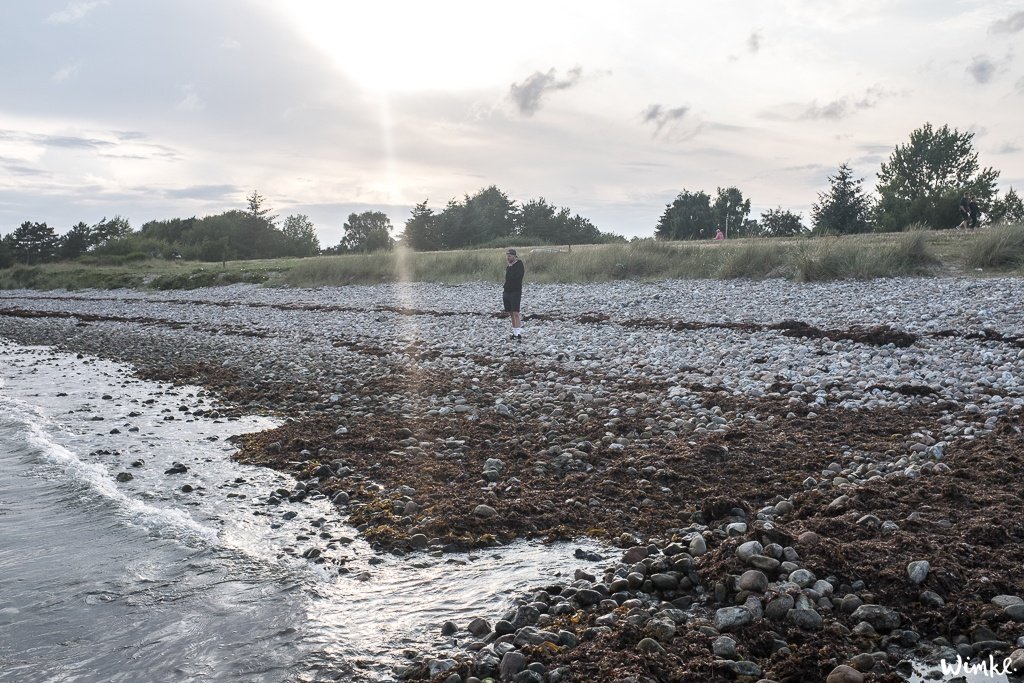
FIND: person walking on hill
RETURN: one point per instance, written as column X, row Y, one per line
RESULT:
column 974, row 211
column 512, row 292
column 965, row 211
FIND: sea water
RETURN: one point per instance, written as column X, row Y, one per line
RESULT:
column 191, row 577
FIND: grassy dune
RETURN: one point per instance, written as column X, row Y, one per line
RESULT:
column 997, row 250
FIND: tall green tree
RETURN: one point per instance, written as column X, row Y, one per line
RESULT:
column 34, row 242
column 730, row 211
column 6, row 253
column 107, row 231
column 257, row 209
column 490, row 215
column 421, row 229
column 923, row 179
column 367, row 231
column 1008, row 209
column 780, row 223
column 453, row 226
column 300, row 235
column 688, row 217
column 844, row 209
column 76, row 241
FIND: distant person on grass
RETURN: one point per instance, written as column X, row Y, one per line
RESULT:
column 965, row 211
column 975, row 212
column 719, row 235
column 512, row 292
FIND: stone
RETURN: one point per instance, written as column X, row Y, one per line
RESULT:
column 698, row 546
column 917, row 571
column 1014, row 612
column 803, row 578
column 931, row 599
column 479, row 627
column 484, row 511
column 753, row 580
column 863, row 662
column 665, row 582
column 635, row 554
column 882, row 619
column 649, row 645
column 724, row 647
column 663, row 630
column 778, row 607
column 747, row 550
column 807, row 619
column 512, row 662
column 728, row 618
column 845, row 674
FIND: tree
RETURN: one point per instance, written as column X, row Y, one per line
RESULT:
column 34, row 242
column 490, row 215
column 257, row 210
column 76, row 241
column 779, row 223
column 923, row 180
column 421, row 229
column 731, row 211
column 688, row 217
column 844, row 209
column 453, row 227
column 367, row 231
column 301, row 235
column 1009, row 209
column 110, row 231
column 6, row 253
column 542, row 221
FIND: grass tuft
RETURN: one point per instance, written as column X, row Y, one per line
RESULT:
column 998, row 247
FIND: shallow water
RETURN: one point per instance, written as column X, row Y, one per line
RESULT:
column 103, row 580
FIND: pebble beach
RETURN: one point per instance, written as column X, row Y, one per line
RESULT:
column 795, row 482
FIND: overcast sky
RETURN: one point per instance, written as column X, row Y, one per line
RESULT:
column 157, row 109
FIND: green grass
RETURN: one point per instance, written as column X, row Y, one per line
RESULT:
column 1001, row 247
column 805, row 259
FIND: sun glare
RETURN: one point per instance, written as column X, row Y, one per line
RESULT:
column 391, row 46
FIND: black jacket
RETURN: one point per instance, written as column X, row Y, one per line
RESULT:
column 514, row 277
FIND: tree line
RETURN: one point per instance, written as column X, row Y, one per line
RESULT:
column 921, row 183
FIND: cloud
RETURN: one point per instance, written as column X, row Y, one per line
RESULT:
column 1011, row 24
column 63, row 141
column 74, row 11
column 660, row 116
column 17, row 167
column 191, row 100
column 835, row 110
column 527, row 95
column 982, row 69
column 1007, row 148
column 754, row 41
column 1019, row 87
column 64, row 74
column 205, row 192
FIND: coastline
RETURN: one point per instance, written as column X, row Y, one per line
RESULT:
column 863, row 439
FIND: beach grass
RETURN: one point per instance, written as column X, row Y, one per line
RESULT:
column 995, row 250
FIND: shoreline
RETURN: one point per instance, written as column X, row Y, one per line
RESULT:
column 858, row 442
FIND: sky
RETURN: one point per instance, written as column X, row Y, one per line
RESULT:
column 161, row 109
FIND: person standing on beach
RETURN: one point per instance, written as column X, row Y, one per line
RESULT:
column 512, row 292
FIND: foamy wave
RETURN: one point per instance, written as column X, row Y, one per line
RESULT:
column 98, row 480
